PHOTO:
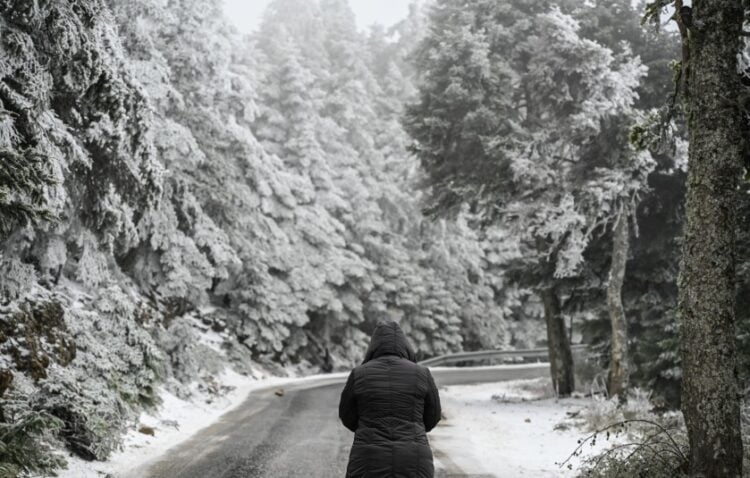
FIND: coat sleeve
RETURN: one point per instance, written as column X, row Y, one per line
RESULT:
column 432, row 411
column 348, row 405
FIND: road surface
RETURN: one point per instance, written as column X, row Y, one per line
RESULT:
column 297, row 434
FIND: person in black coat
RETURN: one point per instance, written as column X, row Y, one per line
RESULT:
column 390, row 403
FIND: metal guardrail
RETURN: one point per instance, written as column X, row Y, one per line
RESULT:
column 492, row 354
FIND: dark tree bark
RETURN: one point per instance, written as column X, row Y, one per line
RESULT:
column 710, row 398
column 558, row 342
column 619, row 373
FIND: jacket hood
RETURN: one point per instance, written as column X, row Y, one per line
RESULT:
column 389, row 339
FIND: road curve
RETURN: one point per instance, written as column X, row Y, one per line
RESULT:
column 297, row 434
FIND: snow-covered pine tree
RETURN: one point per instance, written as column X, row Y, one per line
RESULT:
column 504, row 125
column 74, row 110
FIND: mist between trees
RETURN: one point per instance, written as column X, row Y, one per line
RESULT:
column 492, row 175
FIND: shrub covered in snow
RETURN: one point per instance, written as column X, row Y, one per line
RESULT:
column 86, row 362
column 26, row 436
column 641, row 442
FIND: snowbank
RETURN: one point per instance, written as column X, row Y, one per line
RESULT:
column 175, row 421
column 507, row 429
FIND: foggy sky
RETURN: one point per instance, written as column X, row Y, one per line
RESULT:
column 246, row 14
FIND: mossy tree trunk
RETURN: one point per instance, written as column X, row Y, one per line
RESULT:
column 710, row 400
column 558, row 343
column 619, row 374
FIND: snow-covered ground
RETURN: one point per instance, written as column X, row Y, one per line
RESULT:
column 508, row 430
column 175, row 421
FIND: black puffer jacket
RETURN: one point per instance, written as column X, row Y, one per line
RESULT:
column 390, row 403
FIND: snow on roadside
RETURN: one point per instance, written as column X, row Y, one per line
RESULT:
column 507, row 429
column 175, row 421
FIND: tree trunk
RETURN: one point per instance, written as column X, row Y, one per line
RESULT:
column 619, row 373
column 710, row 398
column 560, row 355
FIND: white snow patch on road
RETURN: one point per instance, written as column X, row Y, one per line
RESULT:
column 507, row 429
column 175, row 421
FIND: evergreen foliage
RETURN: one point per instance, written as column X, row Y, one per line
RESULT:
column 163, row 177
column 524, row 120
column 161, row 172
column 25, row 435
column 512, row 126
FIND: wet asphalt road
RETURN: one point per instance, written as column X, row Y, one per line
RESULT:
column 295, row 435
